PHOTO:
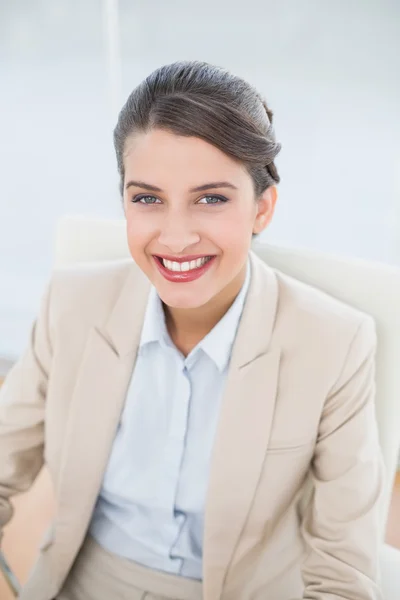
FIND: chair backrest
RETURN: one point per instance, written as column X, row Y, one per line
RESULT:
column 371, row 287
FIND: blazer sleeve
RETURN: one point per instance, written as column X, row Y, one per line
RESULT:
column 22, row 406
column 342, row 525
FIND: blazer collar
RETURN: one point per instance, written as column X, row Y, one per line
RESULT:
column 259, row 313
column 123, row 326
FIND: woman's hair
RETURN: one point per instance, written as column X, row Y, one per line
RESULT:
column 194, row 98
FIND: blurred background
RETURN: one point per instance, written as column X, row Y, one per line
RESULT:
column 329, row 70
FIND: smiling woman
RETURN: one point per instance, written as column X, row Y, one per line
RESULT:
column 208, row 422
column 183, row 222
column 202, row 140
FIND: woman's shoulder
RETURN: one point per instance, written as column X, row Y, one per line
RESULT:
column 317, row 314
column 93, row 272
column 90, row 289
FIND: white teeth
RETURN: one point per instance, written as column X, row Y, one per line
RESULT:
column 185, row 266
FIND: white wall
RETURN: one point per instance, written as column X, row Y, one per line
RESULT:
column 328, row 69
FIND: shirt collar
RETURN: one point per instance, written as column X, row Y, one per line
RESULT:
column 154, row 326
column 216, row 344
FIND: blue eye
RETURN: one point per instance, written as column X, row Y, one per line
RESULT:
column 214, row 200
column 153, row 200
column 147, row 199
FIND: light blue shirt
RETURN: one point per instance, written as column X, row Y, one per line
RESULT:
column 151, row 505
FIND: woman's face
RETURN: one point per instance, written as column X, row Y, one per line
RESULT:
column 186, row 200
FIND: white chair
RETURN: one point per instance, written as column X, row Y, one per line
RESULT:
column 372, row 287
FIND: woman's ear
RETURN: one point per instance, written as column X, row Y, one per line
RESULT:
column 265, row 209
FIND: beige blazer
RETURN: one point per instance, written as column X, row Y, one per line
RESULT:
column 296, row 473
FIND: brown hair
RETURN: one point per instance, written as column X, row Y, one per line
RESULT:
column 194, row 98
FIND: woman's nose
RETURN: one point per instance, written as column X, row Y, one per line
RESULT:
column 177, row 233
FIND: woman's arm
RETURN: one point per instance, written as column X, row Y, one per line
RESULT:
column 22, row 405
column 342, row 526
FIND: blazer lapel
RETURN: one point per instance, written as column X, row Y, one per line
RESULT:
column 94, row 414
column 243, row 430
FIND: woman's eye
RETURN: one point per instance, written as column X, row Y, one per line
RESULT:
column 146, row 200
column 153, row 200
column 212, row 200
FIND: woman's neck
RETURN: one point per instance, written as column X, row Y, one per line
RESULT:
column 188, row 326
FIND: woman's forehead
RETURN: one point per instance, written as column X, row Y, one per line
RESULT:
column 164, row 156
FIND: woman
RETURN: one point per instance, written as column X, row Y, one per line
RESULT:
column 208, row 422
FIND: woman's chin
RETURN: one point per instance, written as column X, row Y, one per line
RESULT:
column 182, row 300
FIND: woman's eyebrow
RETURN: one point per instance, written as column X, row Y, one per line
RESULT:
column 216, row 184
column 200, row 188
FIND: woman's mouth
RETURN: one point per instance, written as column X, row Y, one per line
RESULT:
column 183, row 271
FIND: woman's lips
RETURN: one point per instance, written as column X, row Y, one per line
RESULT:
column 183, row 276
